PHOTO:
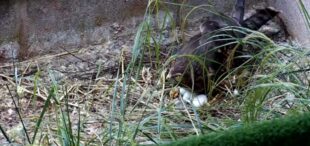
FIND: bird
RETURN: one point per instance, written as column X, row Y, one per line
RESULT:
column 205, row 56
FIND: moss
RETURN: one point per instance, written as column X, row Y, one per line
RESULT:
column 293, row 130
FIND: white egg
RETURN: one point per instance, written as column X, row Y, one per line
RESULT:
column 199, row 100
column 187, row 97
column 182, row 90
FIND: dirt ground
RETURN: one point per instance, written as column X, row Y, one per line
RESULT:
column 88, row 75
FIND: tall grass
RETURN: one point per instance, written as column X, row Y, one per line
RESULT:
column 305, row 12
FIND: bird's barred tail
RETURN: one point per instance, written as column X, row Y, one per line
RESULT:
column 260, row 18
column 238, row 12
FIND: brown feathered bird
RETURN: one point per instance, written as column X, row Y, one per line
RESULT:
column 206, row 55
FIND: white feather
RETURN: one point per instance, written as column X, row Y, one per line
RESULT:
column 236, row 92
